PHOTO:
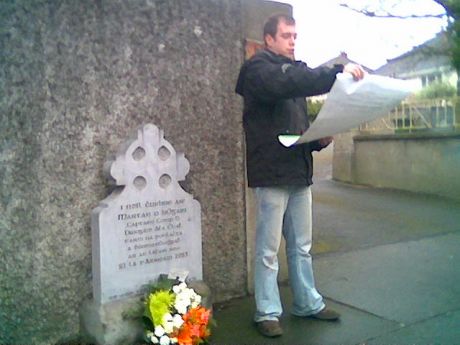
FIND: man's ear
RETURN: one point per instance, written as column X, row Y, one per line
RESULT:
column 269, row 40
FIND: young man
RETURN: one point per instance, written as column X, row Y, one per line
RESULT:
column 274, row 87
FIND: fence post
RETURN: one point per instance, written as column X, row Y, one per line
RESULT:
column 456, row 112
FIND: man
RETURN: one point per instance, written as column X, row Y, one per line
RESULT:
column 274, row 87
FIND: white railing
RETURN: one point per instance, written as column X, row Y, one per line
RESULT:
column 416, row 115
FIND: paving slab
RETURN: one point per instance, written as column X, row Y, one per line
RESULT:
column 235, row 325
column 348, row 217
column 441, row 330
column 404, row 282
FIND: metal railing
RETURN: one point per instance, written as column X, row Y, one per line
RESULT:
column 416, row 115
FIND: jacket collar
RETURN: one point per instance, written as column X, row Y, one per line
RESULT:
column 274, row 56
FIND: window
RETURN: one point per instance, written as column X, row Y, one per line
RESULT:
column 432, row 78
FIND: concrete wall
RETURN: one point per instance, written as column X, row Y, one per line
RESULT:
column 423, row 163
column 343, row 157
column 76, row 79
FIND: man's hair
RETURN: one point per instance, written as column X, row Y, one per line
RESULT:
column 271, row 25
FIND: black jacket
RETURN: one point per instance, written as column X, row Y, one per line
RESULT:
column 274, row 90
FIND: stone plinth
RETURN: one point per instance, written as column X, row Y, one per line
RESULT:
column 107, row 323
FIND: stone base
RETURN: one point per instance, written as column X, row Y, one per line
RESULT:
column 106, row 324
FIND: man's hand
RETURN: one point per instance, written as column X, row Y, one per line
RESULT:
column 355, row 70
column 325, row 141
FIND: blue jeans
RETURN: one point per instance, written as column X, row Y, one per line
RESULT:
column 284, row 210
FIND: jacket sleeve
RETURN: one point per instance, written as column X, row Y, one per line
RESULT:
column 316, row 145
column 269, row 81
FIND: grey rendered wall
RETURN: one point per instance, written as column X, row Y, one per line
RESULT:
column 76, row 79
column 424, row 163
column 343, row 157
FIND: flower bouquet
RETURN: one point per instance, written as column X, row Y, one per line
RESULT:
column 173, row 314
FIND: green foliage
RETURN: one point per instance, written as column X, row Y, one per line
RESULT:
column 163, row 283
column 313, row 108
column 437, row 90
column 452, row 8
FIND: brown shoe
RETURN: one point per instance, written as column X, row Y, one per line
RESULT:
column 269, row 328
column 326, row 315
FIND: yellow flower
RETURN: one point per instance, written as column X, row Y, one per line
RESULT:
column 160, row 303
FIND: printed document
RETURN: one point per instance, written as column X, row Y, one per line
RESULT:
column 351, row 103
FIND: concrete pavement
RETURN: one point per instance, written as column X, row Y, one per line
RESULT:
column 387, row 260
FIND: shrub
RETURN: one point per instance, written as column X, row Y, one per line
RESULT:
column 437, row 90
column 313, row 108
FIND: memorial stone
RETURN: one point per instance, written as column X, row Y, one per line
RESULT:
column 148, row 225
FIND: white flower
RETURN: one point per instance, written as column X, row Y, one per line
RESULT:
column 195, row 300
column 159, row 331
column 185, row 298
column 169, row 328
column 167, row 317
column 179, row 288
column 182, row 301
column 181, row 307
column 189, row 293
column 174, row 340
column 167, row 323
column 152, row 337
column 177, row 321
column 164, row 340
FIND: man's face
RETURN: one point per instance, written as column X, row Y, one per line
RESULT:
column 284, row 41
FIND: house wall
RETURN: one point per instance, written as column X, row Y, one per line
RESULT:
column 422, row 163
column 445, row 74
column 451, row 78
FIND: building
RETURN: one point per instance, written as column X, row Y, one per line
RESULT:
column 429, row 63
column 343, row 59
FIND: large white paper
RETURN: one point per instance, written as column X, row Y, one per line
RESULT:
column 351, row 103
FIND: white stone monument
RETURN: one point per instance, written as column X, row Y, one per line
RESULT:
column 147, row 226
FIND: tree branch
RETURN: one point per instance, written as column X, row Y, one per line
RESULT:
column 386, row 14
